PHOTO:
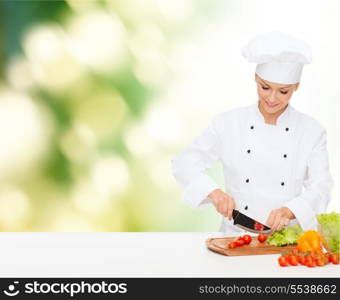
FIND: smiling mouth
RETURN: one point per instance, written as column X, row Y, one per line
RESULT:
column 271, row 105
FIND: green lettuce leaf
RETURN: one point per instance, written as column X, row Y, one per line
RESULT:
column 330, row 229
column 286, row 236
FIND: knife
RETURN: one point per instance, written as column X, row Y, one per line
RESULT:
column 244, row 222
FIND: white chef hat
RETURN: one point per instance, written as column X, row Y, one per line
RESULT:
column 280, row 58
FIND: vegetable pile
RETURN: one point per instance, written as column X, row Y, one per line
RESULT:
column 308, row 259
column 286, row 236
column 329, row 227
column 309, row 252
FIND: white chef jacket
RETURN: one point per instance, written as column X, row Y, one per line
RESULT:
column 265, row 166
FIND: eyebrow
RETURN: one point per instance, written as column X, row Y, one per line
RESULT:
column 283, row 87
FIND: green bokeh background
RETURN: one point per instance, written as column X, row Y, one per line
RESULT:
column 79, row 166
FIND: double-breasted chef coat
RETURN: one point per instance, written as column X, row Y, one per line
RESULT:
column 265, row 166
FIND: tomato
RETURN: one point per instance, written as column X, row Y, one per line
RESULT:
column 310, row 262
column 293, row 260
column 258, row 226
column 232, row 245
column 261, row 238
column 314, row 253
column 302, row 259
column 240, row 238
column 247, row 239
column 239, row 243
column 319, row 261
column 327, row 257
column 334, row 258
column 295, row 251
column 283, row 261
column 308, row 257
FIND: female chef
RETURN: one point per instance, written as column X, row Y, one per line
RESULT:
column 269, row 150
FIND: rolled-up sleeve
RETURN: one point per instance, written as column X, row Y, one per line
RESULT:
column 189, row 167
column 318, row 186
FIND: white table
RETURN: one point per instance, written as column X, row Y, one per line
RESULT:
column 133, row 254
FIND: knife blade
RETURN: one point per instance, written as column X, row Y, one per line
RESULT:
column 244, row 222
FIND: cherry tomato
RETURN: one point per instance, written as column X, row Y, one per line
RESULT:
column 319, row 261
column 308, row 257
column 302, row 259
column 247, row 239
column 258, row 226
column 283, row 261
column 261, row 237
column 240, row 238
column 232, row 245
column 239, row 243
column 293, row 260
column 327, row 257
column 295, row 251
column 310, row 262
column 334, row 258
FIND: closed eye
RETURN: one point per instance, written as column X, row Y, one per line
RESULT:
column 267, row 88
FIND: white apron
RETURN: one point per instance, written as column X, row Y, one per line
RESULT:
column 265, row 166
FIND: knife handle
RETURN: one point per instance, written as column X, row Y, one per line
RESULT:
column 235, row 213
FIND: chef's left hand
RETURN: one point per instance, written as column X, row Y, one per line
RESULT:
column 278, row 218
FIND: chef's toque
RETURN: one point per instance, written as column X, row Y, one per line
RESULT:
column 280, row 58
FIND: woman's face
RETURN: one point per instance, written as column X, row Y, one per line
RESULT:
column 274, row 97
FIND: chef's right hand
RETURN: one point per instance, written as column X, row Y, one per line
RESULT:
column 223, row 203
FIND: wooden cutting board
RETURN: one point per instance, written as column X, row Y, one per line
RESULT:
column 220, row 245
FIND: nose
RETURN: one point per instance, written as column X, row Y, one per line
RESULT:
column 271, row 98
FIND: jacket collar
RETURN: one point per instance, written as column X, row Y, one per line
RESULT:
column 281, row 120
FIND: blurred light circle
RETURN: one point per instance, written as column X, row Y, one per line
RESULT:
column 137, row 11
column 97, row 39
column 107, row 180
column 110, row 175
column 147, row 45
column 138, row 142
column 79, row 5
column 88, row 199
column 176, row 11
column 24, row 133
column 164, row 125
column 44, row 43
column 19, row 73
column 78, row 143
column 68, row 221
column 50, row 61
column 150, row 72
column 161, row 173
column 14, row 207
column 101, row 111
